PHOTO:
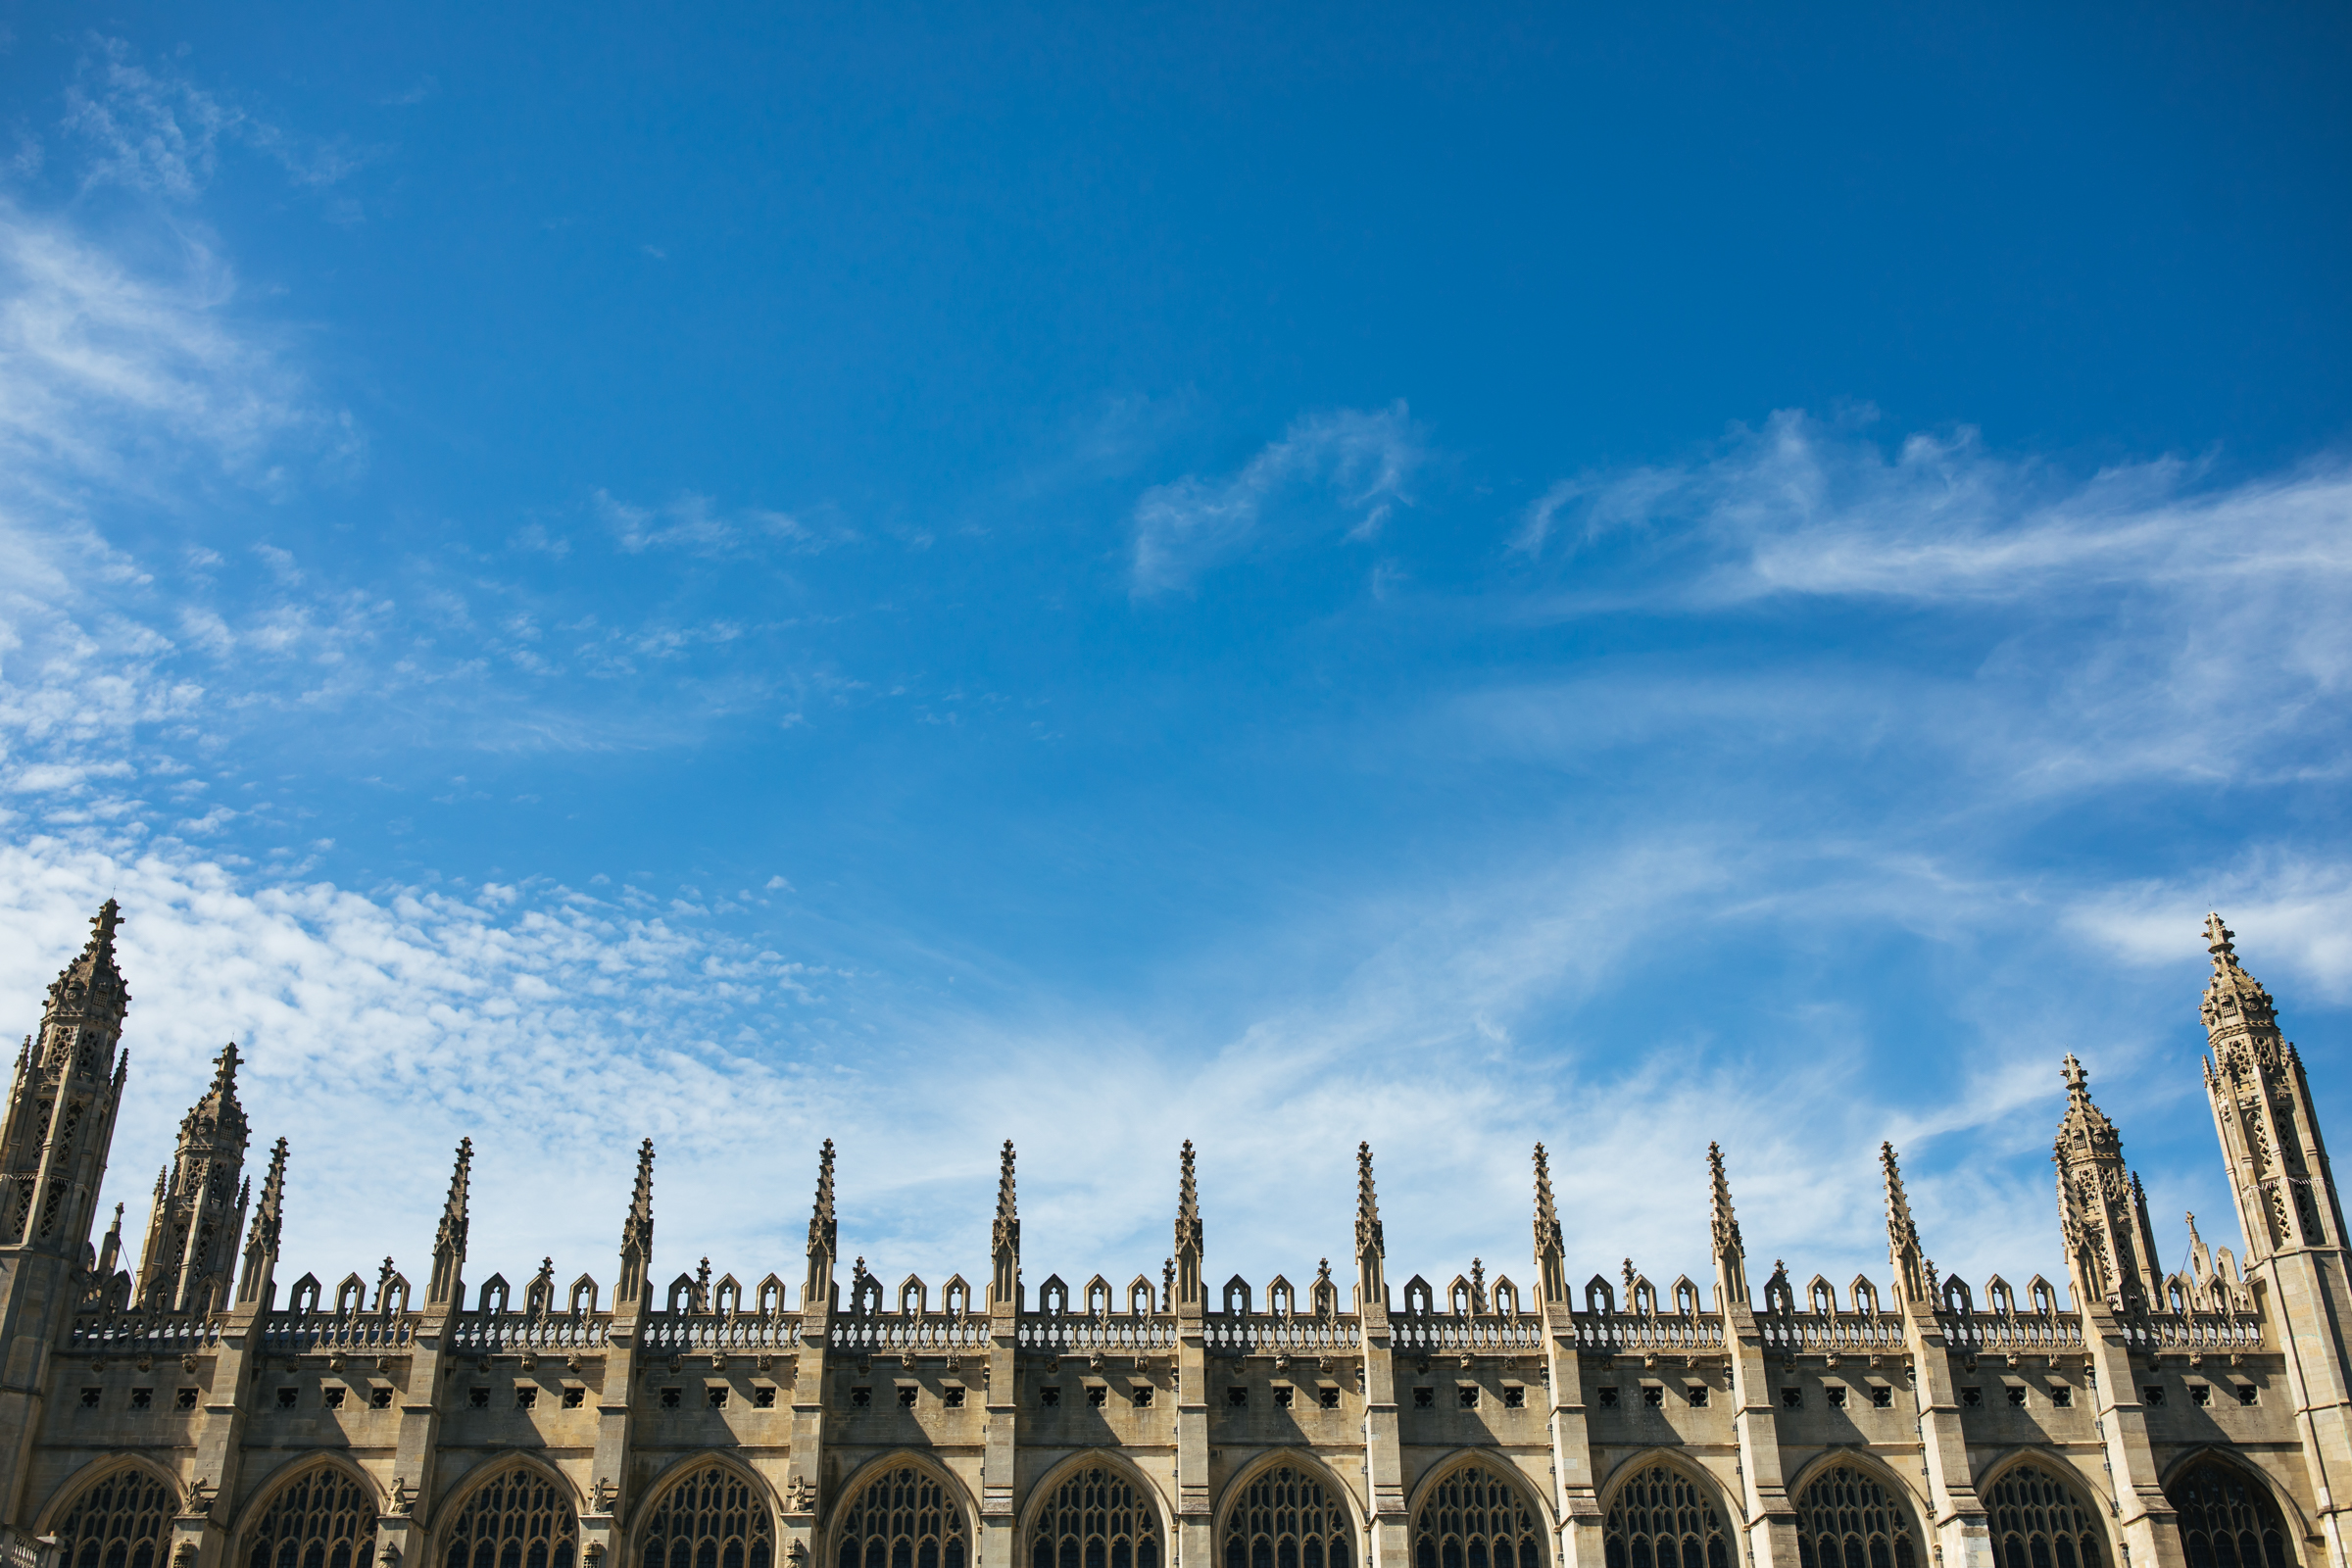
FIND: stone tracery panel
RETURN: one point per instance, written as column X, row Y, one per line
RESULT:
column 2039, row 1520
column 121, row 1520
column 323, row 1518
column 1475, row 1518
column 1845, row 1518
column 517, row 1519
column 1287, row 1518
column 2227, row 1519
column 1097, row 1518
column 903, row 1518
column 714, row 1517
column 1662, row 1518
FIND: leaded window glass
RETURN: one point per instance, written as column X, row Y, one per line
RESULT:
column 1846, row 1519
column 517, row 1519
column 323, row 1518
column 1095, row 1519
column 903, row 1519
column 1474, row 1518
column 712, row 1518
column 2227, row 1519
column 120, row 1521
column 1284, row 1518
column 1662, row 1518
column 2040, row 1521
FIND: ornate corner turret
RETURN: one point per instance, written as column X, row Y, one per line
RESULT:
column 2102, row 1213
column 60, row 1121
column 187, row 1263
column 2262, row 1106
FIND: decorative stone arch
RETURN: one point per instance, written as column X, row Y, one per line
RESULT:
column 1237, row 1296
column 1054, row 1296
column 2297, row 1525
column 2090, row 1503
column 1864, row 1295
column 1041, row 1498
column 493, row 1296
column 278, row 1486
column 1956, row 1297
column 2000, row 1297
column 1281, row 1298
column 1452, row 1473
column 771, row 1299
column 101, row 1468
column 351, row 1297
column 1664, row 1489
column 1685, row 1296
column 559, row 1544
column 955, row 1295
column 844, row 1511
column 307, row 1290
column 2038, row 1292
column 1097, row 1290
column 754, row 1545
column 583, row 1295
column 1260, row 1471
column 1419, row 1300
column 726, row 1296
column 1503, row 1291
column 1820, row 1297
column 914, row 1297
column 1599, row 1296
column 1142, row 1299
column 1908, row 1504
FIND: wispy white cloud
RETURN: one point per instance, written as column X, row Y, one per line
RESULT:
column 696, row 525
column 1360, row 461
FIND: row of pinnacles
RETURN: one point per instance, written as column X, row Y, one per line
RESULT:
column 211, row 1253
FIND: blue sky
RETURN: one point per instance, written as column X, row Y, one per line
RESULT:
column 928, row 575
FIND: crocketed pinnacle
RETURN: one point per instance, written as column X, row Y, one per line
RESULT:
column 2237, row 1012
column 1903, row 1250
column 90, row 989
column 1006, row 1235
column 454, row 1216
column 822, row 1230
column 217, row 1113
column 2085, row 1133
column 1368, row 1236
column 1725, row 1221
column 637, row 1230
column 1548, row 1242
column 1187, row 1206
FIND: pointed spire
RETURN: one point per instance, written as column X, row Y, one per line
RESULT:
column 2240, row 1019
column 1552, row 1250
column 817, row 1290
column 447, row 1288
column 1913, row 1274
column 255, row 1285
column 1004, row 1279
column 637, row 1232
column 1730, row 1253
column 87, row 1002
column 1188, row 1245
column 2102, row 1212
column 1371, row 1247
column 110, row 1249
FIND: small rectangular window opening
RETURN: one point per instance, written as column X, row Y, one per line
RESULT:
column 1049, row 1395
column 2151, row 1394
column 186, row 1400
column 1609, row 1399
column 1792, row 1398
column 334, row 1398
column 1881, row 1396
column 287, row 1397
column 1423, row 1398
column 1697, row 1393
column 1096, row 1395
column 1141, row 1394
column 1514, row 1397
column 716, row 1397
column 524, row 1398
column 2245, row 1394
column 479, row 1399
column 2017, row 1394
column 89, row 1398
column 1836, row 1393
column 1654, row 1395
column 1236, row 1394
column 907, row 1398
column 573, row 1399
column 953, row 1398
column 2062, row 1394
column 1469, row 1395
column 1972, row 1398
column 2200, row 1394
column 764, row 1397
column 142, row 1398
column 669, row 1398
column 378, row 1400
column 1283, row 1396
column 860, row 1399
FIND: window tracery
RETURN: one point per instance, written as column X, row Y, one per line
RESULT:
column 1095, row 1519
column 1474, row 1518
column 120, row 1521
column 903, row 1519
column 321, row 1519
column 1661, row 1518
column 2040, row 1521
column 517, row 1519
column 1284, row 1518
column 711, row 1518
column 1846, row 1519
column 2226, row 1520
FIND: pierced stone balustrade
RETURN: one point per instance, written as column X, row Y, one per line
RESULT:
column 1641, row 1333
column 146, row 1333
column 486, row 1333
column 911, row 1332
column 1265, row 1334
column 1829, row 1333
column 2022, row 1333
column 1477, row 1334
column 2194, row 1331
column 679, row 1332
column 329, row 1331
column 1109, row 1334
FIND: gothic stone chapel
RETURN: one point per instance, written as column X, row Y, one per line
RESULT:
column 184, row 1415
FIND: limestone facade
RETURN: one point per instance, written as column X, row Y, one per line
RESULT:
column 198, row 1412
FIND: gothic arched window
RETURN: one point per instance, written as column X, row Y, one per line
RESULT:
column 321, row 1519
column 1845, row 1519
column 2227, row 1519
column 712, row 1518
column 120, row 1521
column 1663, row 1519
column 517, row 1519
column 1476, row 1519
column 903, row 1519
column 1095, row 1519
column 2040, row 1521
column 1284, row 1518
